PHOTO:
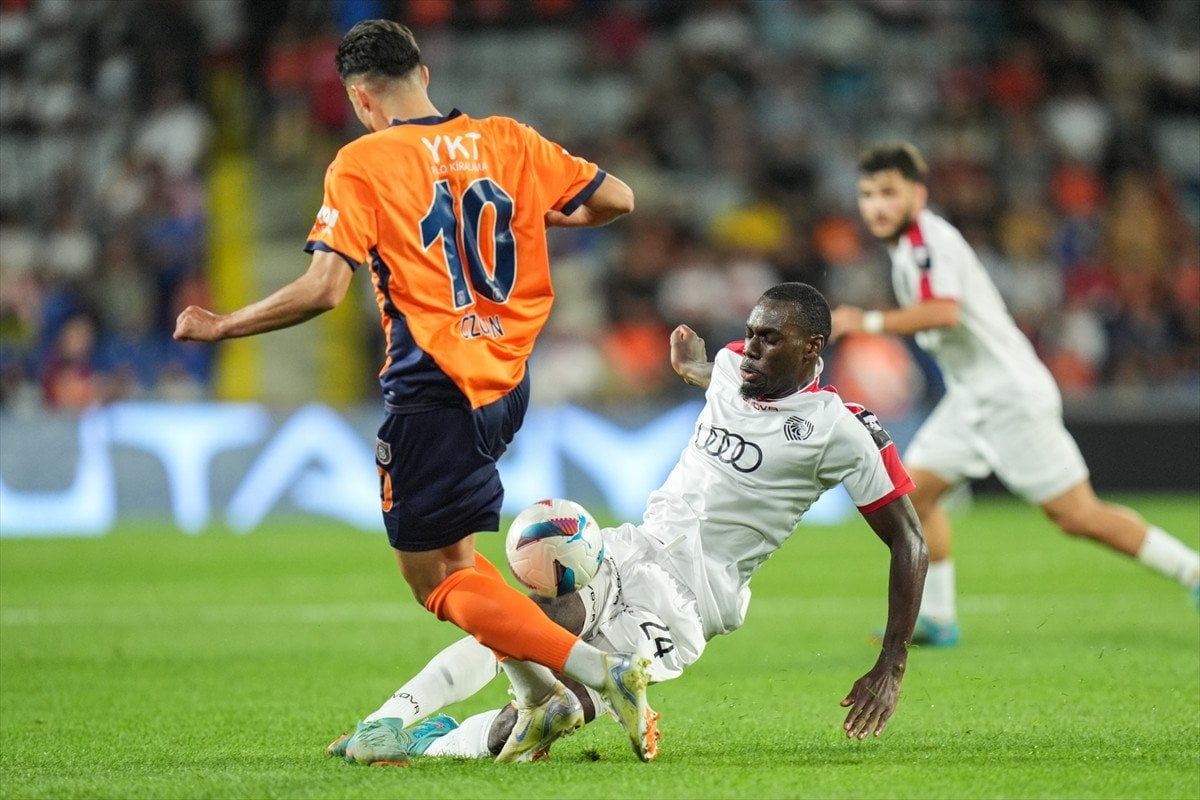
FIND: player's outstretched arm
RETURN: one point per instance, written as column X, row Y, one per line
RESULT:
column 924, row 316
column 873, row 697
column 689, row 358
column 612, row 199
column 319, row 289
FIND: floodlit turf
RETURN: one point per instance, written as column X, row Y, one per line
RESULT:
column 149, row 664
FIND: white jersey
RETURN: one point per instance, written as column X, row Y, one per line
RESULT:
column 985, row 355
column 751, row 469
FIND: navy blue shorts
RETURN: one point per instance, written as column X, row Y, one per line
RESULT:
column 437, row 470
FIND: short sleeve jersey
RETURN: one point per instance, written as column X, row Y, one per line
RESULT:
column 985, row 355
column 750, row 471
column 448, row 212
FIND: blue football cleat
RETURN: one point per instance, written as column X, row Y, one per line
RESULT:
column 425, row 733
column 928, row 633
column 383, row 742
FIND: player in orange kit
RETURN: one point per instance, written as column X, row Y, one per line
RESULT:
column 449, row 214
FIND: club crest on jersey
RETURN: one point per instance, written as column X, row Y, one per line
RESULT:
column 877, row 431
column 383, row 452
column 797, row 429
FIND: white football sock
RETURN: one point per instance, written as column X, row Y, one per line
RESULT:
column 1165, row 554
column 586, row 664
column 938, row 602
column 468, row 740
column 454, row 674
column 531, row 683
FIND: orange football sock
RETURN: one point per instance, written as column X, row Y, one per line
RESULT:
column 487, row 568
column 500, row 617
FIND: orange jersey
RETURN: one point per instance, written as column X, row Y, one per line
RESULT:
column 449, row 213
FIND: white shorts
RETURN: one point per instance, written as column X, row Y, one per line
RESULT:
column 634, row 605
column 1025, row 444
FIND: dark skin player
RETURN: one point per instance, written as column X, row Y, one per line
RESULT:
column 780, row 357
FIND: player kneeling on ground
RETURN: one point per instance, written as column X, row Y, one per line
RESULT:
column 768, row 442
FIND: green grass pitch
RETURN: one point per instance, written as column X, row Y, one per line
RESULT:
column 149, row 664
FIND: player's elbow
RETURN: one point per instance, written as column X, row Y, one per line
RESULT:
column 625, row 202
column 325, row 293
column 612, row 199
column 324, row 296
column 942, row 313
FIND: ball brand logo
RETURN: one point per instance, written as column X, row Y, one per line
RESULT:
column 797, row 429
column 728, row 447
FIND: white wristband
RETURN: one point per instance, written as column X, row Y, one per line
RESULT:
column 872, row 321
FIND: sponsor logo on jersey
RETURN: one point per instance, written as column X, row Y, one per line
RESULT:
column 728, row 447
column 797, row 429
column 871, row 423
column 454, row 147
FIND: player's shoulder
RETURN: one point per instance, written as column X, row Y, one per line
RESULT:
column 361, row 151
column 847, row 412
column 937, row 229
column 501, row 125
column 865, row 419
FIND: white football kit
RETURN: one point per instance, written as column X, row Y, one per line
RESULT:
column 1002, row 411
column 750, row 471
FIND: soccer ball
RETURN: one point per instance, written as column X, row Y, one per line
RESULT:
column 554, row 547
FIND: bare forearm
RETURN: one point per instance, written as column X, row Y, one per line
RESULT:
column 924, row 316
column 291, row 305
column 898, row 526
column 906, row 581
column 697, row 374
column 928, row 315
column 689, row 358
column 319, row 289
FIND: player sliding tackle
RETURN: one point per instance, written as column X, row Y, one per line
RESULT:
column 769, row 441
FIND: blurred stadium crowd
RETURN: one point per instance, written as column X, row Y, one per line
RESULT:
column 1063, row 140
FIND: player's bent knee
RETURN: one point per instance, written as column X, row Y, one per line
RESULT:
column 1072, row 522
column 567, row 610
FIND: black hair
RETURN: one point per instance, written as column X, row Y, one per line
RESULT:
column 378, row 49
column 900, row 156
column 812, row 309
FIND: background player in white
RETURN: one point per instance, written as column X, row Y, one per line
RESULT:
column 767, row 444
column 1002, row 411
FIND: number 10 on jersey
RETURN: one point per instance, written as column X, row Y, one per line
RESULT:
column 464, row 258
